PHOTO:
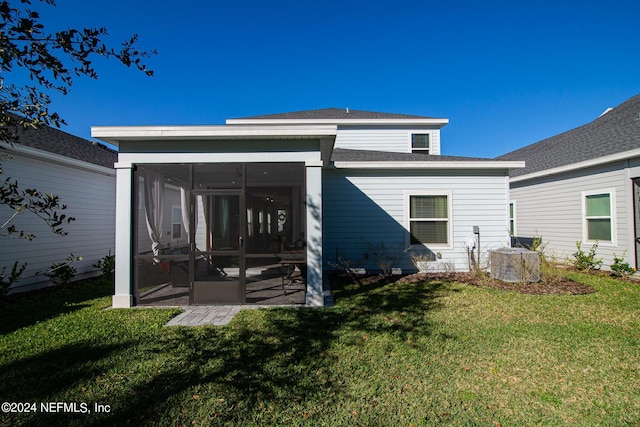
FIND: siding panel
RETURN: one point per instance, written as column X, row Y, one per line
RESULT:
column 364, row 209
column 90, row 198
column 552, row 208
column 384, row 138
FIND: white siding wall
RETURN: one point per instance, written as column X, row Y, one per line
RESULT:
column 363, row 209
column 90, row 198
column 552, row 208
column 387, row 138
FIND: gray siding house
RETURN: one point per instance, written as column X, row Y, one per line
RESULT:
column 308, row 190
column 583, row 186
column 80, row 172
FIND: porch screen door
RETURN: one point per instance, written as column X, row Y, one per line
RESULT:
column 217, row 248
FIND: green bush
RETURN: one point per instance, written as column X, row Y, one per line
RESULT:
column 6, row 280
column 620, row 268
column 62, row 273
column 107, row 264
column 587, row 261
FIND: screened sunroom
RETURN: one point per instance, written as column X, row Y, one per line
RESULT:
column 208, row 216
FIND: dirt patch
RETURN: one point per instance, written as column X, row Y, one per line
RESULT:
column 564, row 286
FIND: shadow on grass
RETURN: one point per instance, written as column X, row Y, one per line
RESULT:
column 25, row 309
column 48, row 373
column 264, row 362
column 48, row 376
column 283, row 360
column 381, row 304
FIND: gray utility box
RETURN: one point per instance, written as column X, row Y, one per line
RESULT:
column 515, row 265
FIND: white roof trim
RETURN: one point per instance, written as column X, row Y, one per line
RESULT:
column 399, row 121
column 49, row 157
column 463, row 164
column 115, row 134
column 580, row 165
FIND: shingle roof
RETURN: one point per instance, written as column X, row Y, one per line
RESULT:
column 333, row 114
column 347, row 155
column 616, row 131
column 59, row 142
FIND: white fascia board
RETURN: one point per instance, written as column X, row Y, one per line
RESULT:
column 580, row 165
column 470, row 164
column 127, row 159
column 115, row 134
column 49, row 157
column 427, row 121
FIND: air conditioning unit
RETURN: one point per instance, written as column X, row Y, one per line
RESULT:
column 515, row 265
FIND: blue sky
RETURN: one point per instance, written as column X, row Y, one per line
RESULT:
column 506, row 74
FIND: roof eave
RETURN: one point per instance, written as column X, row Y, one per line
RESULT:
column 116, row 134
column 397, row 121
column 580, row 165
column 50, row 157
column 464, row 164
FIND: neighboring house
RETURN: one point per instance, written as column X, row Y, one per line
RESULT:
column 583, row 186
column 359, row 188
column 81, row 173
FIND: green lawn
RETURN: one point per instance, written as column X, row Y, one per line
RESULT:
column 390, row 355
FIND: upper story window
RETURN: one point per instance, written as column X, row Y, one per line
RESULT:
column 420, row 143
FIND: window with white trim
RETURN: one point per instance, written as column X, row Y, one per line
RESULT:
column 420, row 143
column 429, row 219
column 598, row 218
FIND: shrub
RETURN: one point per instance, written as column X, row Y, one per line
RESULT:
column 550, row 273
column 537, row 245
column 107, row 264
column 62, row 273
column 7, row 280
column 387, row 256
column 587, row 261
column 422, row 260
column 620, row 268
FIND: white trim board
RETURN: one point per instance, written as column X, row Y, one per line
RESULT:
column 391, row 121
column 438, row 164
column 115, row 134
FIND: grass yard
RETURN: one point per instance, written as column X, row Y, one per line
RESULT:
column 392, row 355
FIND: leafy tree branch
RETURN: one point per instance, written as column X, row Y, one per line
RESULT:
column 43, row 205
column 51, row 60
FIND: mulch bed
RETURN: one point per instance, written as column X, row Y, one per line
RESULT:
column 562, row 287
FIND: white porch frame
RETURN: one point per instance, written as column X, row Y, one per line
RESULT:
column 313, row 160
